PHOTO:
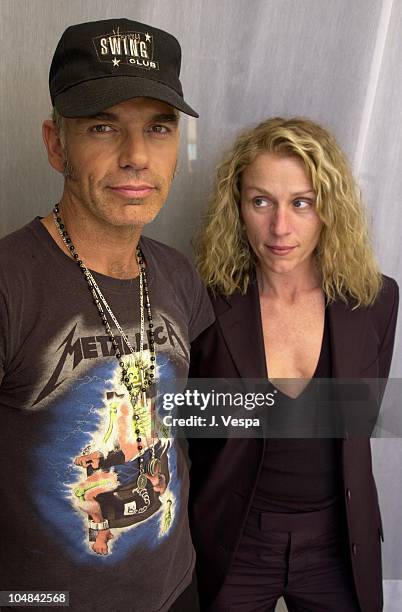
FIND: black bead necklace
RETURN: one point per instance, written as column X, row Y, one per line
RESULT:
column 147, row 373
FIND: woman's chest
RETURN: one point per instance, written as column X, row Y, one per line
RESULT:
column 292, row 338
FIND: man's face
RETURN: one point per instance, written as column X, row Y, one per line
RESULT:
column 120, row 163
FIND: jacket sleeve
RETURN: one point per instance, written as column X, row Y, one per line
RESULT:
column 4, row 325
column 387, row 343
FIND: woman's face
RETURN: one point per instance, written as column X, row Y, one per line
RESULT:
column 279, row 213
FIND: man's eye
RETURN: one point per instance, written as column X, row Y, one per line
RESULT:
column 301, row 204
column 101, row 128
column 159, row 129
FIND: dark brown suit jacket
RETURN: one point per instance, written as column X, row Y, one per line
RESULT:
column 224, row 472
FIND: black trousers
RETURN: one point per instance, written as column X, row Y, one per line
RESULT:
column 302, row 557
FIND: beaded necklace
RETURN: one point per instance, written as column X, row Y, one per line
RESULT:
column 146, row 373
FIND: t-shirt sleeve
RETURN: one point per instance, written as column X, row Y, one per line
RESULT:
column 202, row 314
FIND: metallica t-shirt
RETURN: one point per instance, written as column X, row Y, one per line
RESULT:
column 75, row 516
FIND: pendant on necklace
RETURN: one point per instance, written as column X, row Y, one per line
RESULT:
column 142, row 482
column 154, row 466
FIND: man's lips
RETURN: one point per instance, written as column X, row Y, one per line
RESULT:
column 133, row 191
column 280, row 250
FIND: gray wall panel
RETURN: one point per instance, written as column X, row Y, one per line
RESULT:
column 243, row 61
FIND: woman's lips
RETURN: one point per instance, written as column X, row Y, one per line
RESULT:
column 280, row 250
column 133, row 191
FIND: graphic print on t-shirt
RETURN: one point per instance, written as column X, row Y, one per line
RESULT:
column 126, row 465
column 90, row 487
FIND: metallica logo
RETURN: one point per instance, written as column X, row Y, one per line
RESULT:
column 74, row 349
column 131, row 48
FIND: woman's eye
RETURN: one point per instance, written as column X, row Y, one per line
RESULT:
column 260, row 202
column 301, row 204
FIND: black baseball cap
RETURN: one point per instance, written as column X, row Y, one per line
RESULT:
column 101, row 63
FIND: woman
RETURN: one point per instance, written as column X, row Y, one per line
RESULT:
column 297, row 295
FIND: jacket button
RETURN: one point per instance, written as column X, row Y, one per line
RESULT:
column 354, row 549
column 348, row 494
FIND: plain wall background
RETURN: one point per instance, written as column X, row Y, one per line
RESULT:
column 336, row 61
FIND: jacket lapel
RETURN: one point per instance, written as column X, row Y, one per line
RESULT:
column 239, row 317
column 240, row 323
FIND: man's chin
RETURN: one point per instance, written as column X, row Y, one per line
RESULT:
column 139, row 218
column 135, row 202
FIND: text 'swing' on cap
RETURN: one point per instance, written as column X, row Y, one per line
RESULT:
column 99, row 64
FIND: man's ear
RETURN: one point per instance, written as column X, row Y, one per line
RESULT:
column 55, row 151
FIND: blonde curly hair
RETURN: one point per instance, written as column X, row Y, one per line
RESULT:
column 344, row 254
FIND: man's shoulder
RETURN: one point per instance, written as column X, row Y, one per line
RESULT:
column 164, row 252
column 12, row 244
column 24, row 258
column 177, row 277
column 156, row 245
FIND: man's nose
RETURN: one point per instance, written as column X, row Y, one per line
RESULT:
column 134, row 152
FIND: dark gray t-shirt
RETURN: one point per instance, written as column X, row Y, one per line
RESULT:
column 61, row 397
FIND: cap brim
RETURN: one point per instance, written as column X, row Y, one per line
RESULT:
column 94, row 96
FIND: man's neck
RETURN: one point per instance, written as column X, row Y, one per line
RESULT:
column 107, row 250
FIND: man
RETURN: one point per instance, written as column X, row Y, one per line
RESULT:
column 92, row 316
